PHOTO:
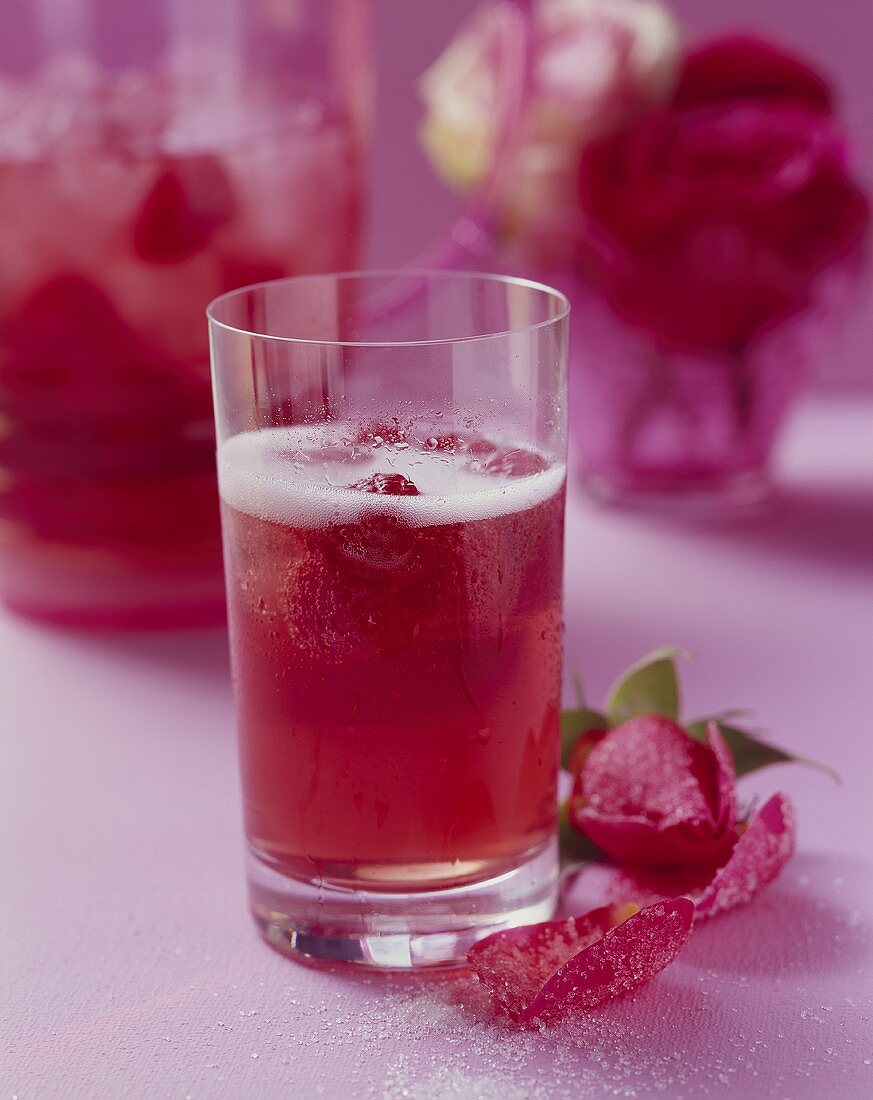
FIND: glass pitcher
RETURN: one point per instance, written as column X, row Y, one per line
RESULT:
column 153, row 154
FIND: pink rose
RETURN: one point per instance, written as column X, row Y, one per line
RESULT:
column 596, row 63
column 663, row 806
column 764, row 845
column 710, row 218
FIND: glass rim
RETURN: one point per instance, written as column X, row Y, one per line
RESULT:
column 415, row 273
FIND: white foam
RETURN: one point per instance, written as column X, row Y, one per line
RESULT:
column 277, row 475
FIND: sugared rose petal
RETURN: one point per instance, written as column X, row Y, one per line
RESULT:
column 543, row 971
column 760, row 853
column 647, row 794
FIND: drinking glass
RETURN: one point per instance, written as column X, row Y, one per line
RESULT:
column 153, row 154
column 391, row 453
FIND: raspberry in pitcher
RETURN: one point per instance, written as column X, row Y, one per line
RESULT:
column 119, row 227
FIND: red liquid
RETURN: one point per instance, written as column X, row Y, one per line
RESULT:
column 115, row 240
column 397, row 673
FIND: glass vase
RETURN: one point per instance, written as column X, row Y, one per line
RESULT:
column 687, row 431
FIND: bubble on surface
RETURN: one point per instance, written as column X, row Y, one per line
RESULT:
column 255, row 476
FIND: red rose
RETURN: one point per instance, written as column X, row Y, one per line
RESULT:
column 662, row 806
column 647, row 794
column 711, row 218
column 731, row 69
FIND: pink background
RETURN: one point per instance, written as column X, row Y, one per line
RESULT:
column 128, row 964
column 411, row 209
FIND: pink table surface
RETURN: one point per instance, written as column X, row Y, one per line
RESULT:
column 129, row 967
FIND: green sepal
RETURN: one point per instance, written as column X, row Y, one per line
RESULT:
column 750, row 753
column 648, row 687
column 574, row 723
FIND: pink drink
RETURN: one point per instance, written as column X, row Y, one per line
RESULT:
column 397, row 652
column 120, row 223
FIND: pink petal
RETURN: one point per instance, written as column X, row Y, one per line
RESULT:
column 543, row 971
column 515, row 964
column 760, row 854
column 725, row 777
column 650, row 766
column 637, row 840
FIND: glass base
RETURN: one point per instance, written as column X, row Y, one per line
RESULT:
column 709, row 499
column 323, row 924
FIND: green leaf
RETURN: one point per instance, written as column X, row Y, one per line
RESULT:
column 648, row 687
column 574, row 846
column 751, row 753
column 573, row 724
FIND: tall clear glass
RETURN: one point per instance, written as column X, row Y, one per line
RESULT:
column 392, row 468
column 153, row 154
